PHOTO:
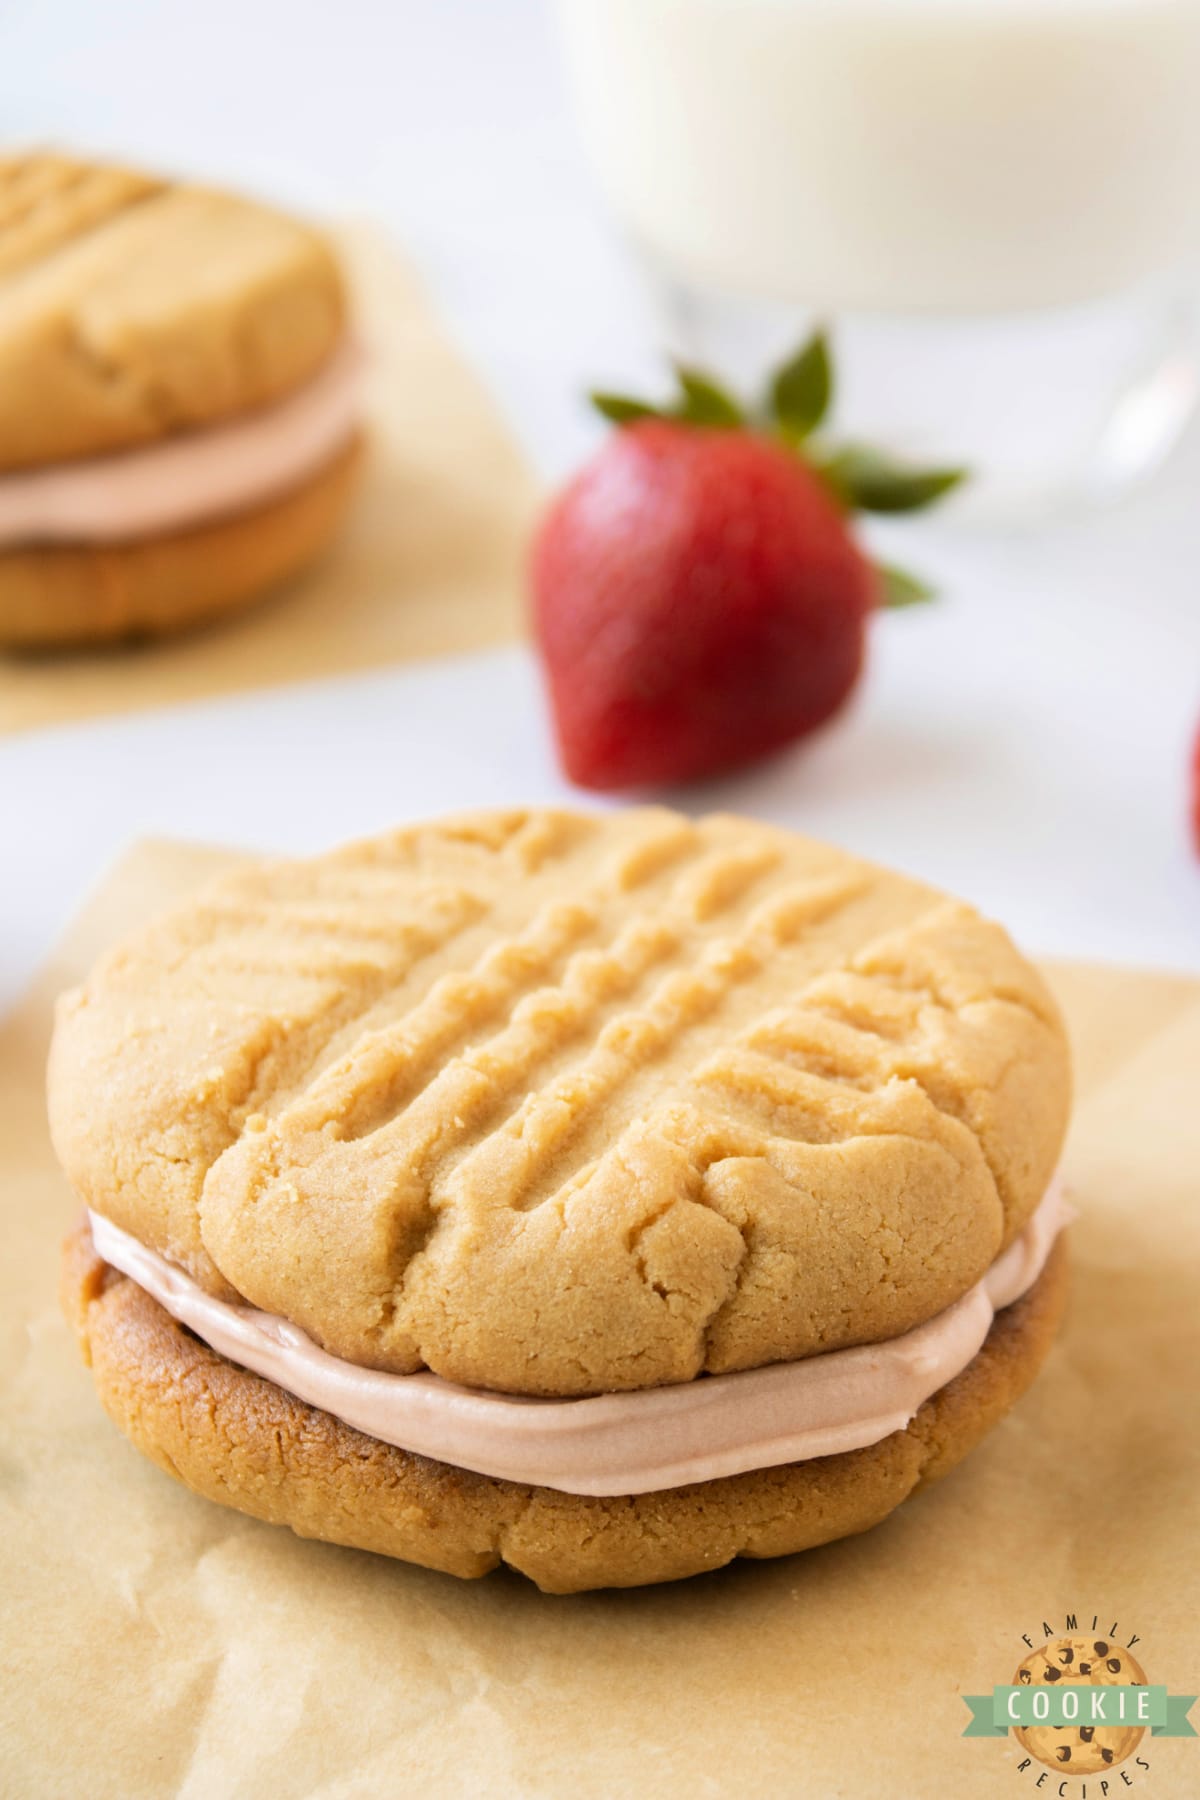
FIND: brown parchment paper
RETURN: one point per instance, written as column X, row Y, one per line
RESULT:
column 154, row 1644
column 429, row 562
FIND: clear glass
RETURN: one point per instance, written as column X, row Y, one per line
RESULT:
column 1047, row 409
column 995, row 204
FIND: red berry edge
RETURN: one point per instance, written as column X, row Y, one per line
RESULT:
column 1195, row 794
column 797, row 403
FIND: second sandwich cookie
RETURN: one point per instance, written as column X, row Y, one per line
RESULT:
column 179, row 402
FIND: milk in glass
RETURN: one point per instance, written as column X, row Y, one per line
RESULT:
column 996, row 203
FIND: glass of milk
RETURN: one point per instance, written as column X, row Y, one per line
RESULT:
column 994, row 203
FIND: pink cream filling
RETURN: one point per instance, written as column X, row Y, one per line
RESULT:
column 187, row 480
column 628, row 1443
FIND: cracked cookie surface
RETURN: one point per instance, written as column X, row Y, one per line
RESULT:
column 133, row 307
column 559, row 1104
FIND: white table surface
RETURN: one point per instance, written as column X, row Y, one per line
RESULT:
column 1024, row 742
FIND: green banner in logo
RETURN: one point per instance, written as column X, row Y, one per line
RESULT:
column 1177, row 1723
column 981, row 1718
column 992, row 1715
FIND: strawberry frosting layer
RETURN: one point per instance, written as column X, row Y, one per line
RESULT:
column 611, row 1444
column 187, row 480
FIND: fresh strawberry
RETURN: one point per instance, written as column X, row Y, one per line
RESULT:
column 699, row 598
column 699, row 603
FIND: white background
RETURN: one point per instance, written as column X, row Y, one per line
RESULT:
column 1025, row 742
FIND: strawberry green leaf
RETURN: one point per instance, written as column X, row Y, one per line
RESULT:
column 898, row 588
column 870, row 481
column 802, row 390
column 703, row 402
column 620, row 409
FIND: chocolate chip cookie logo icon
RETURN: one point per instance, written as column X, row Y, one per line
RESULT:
column 1084, row 1749
column 1080, row 1703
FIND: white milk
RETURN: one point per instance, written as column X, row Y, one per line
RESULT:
column 971, row 155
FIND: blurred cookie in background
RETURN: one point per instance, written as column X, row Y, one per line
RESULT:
column 179, row 401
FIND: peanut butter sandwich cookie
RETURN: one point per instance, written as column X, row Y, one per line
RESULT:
column 179, row 401
column 607, row 1196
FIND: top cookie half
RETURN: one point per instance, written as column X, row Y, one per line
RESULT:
column 133, row 308
column 556, row 1104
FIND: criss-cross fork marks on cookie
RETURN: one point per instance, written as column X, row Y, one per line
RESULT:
column 133, row 308
column 557, row 1103
column 48, row 201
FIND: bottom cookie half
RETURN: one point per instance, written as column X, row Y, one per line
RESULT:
column 240, row 1440
column 57, row 596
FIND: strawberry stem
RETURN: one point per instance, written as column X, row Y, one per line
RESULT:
column 801, row 391
column 799, row 399
column 897, row 588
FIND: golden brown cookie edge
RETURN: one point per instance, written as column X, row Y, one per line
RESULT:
column 89, row 366
column 242, row 1441
column 59, row 597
